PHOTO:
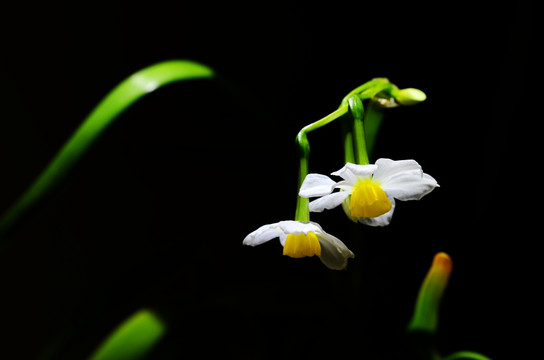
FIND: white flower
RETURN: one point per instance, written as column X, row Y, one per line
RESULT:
column 300, row 239
column 368, row 192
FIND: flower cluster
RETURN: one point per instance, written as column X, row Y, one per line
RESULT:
column 367, row 192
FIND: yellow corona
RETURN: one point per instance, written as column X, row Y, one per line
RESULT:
column 301, row 245
column 369, row 200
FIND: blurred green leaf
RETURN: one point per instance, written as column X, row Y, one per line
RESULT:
column 466, row 355
column 132, row 339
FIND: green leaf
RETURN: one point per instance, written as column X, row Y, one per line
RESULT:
column 466, row 355
column 118, row 100
column 133, row 339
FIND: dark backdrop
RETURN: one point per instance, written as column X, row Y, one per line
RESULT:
column 155, row 214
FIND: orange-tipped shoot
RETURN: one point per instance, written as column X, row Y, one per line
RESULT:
column 425, row 316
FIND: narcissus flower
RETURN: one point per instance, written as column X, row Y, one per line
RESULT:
column 368, row 192
column 301, row 239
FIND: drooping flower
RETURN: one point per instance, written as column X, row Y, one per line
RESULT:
column 368, row 192
column 300, row 239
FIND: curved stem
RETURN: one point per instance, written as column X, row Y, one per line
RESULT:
column 302, row 212
column 324, row 121
column 119, row 99
column 369, row 89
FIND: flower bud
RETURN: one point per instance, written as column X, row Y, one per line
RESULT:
column 409, row 96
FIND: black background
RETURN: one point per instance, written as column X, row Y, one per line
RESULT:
column 155, row 214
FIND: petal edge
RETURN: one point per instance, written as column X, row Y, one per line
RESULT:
column 328, row 201
column 315, row 185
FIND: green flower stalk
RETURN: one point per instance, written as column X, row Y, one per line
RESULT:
column 302, row 212
column 372, row 122
column 376, row 87
column 358, row 112
column 118, row 100
column 380, row 94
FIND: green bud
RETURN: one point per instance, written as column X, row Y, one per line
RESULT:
column 409, row 96
column 356, row 107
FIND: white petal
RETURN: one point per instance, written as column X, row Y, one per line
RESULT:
column 328, row 201
column 280, row 229
column 334, row 254
column 263, row 234
column 316, row 185
column 344, row 185
column 389, row 169
column 298, row 227
column 283, row 237
column 409, row 186
column 352, row 172
column 382, row 220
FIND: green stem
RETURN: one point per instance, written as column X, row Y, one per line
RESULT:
column 370, row 89
column 302, row 211
column 119, row 99
column 357, row 112
column 356, row 138
column 373, row 120
column 347, row 133
column 324, row 121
